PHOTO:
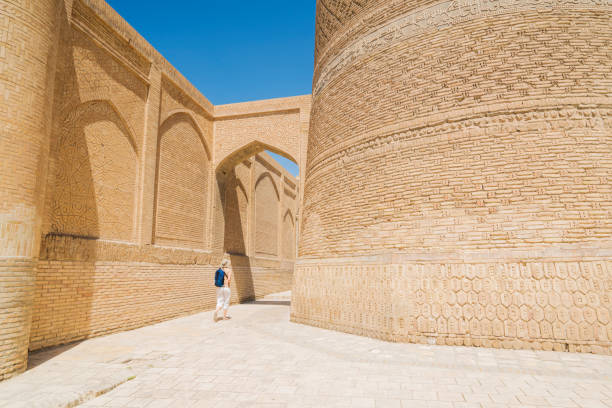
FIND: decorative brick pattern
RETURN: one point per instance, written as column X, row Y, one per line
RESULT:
column 95, row 177
column 458, row 176
column 542, row 179
column 560, row 305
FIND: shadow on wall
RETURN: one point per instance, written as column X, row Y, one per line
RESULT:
column 235, row 215
column 258, row 203
column 63, row 295
column 91, row 278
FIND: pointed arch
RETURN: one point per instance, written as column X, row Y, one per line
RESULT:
column 246, row 151
column 288, row 212
column 268, row 175
column 267, row 215
column 183, row 183
column 103, row 107
column 288, row 236
column 240, row 185
column 187, row 115
column 95, row 173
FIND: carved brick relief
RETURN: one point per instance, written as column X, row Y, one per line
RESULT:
column 467, row 184
column 435, row 16
column 498, row 64
column 95, row 178
column 563, row 305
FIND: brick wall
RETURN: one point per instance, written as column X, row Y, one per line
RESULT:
column 124, row 288
column 27, row 59
column 237, row 205
column 457, row 148
column 110, row 157
column 183, row 190
column 85, row 286
column 266, row 217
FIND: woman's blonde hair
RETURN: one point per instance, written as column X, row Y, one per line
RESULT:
column 225, row 260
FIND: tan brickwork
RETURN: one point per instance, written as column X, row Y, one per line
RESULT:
column 560, row 305
column 288, row 240
column 95, row 175
column 175, row 100
column 237, row 206
column 27, row 64
column 75, row 300
column 457, row 185
column 458, row 176
column 114, row 211
column 266, row 216
column 183, row 179
column 89, row 287
column 17, row 286
column 245, row 129
column 283, row 127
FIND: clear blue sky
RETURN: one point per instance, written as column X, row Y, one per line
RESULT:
column 232, row 51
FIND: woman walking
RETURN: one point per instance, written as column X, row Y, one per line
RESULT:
column 223, row 280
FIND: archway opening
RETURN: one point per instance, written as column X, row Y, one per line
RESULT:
column 258, row 192
column 287, row 163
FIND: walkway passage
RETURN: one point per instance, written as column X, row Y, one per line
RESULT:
column 260, row 359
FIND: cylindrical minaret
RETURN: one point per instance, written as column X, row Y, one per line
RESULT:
column 26, row 72
column 459, row 176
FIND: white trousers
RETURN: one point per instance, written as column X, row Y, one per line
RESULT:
column 223, row 297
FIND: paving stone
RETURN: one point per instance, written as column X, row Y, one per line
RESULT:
column 259, row 358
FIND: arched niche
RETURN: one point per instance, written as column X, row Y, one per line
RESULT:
column 266, row 215
column 251, row 149
column 182, row 188
column 96, row 170
column 288, row 236
column 236, row 216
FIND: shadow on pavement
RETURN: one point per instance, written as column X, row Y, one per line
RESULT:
column 35, row 358
column 271, row 302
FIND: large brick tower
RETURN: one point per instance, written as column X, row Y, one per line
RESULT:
column 458, row 185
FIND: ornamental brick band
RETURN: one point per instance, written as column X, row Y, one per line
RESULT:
column 458, row 182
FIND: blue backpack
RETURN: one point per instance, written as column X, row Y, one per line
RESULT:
column 219, row 278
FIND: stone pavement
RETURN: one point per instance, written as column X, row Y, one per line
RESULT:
column 260, row 359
